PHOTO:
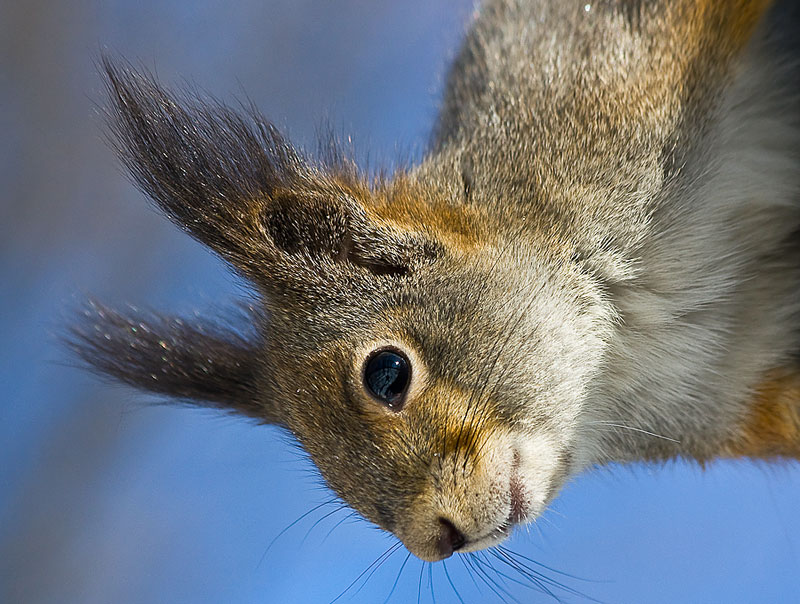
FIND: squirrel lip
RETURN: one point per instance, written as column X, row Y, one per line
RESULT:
column 519, row 509
column 518, row 513
column 518, row 505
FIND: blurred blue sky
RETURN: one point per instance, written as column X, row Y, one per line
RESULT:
column 104, row 498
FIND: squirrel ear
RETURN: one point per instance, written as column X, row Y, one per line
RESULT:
column 209, row 168
column 195, row 361
column 234, row 183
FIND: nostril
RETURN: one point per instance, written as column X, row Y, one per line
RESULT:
column 450, row 538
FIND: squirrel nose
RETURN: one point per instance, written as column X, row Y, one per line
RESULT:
column 450, row 538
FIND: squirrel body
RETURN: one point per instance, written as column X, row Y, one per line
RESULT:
column 597, row 260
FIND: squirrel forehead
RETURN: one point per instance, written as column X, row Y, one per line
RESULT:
column 407, row 205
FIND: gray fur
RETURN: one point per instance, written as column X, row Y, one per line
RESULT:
column 596, row 261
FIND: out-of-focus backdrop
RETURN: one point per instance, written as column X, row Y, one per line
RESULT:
column 105, row 498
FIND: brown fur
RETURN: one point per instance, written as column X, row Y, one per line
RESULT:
column 772, row 427
column 596, row 261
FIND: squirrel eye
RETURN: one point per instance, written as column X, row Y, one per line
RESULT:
column 386, row 377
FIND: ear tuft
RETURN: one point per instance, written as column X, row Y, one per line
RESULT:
column 235, row 184
column 209, row 168
column 196, row 361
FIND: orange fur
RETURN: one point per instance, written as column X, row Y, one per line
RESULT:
column 407, row 206
column 731, row 27
column 773, row 427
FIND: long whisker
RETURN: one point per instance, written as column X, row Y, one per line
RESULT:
column 352, row 514
column 474, row 399
column 449, row 580
column 633, row 429
column 419, row 586
column 343, row 506
column 376, row 564
column 510, row 329
column 430, row 582
column 283, row 532
column 519, row 556
column 464, row 560
column 397, row 580
column 496, row 587
column 534, row 578
column 537, row 578
column 532, row 581
column 470, row 562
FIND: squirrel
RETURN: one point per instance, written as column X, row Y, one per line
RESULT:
column 597, row 260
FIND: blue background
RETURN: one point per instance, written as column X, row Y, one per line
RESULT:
column 104, row 498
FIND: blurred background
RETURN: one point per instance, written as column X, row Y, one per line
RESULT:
column 107, row 498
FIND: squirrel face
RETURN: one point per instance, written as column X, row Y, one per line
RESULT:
column 391, row 393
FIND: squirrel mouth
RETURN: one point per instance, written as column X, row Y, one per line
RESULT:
column 516, row 515
column 518, row 508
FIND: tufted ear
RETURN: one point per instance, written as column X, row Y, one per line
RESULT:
column 233, row 182
column 236, row 185
column 192, row 360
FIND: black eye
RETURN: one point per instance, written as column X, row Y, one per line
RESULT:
column 386, row 377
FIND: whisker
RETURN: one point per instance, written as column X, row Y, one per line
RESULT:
column 430, row 582
column 473, row 566
column 344, row 506
column 397, row 580
column 449, row 580
column 419, row 586
column 283, row 532
column 633, row 429
column 475, row 399
column 539, row 579
column 517, row 555
column 476, row 395
column 488, row 563
column 388, row 554
column 352, row 514
column 376, row 564
column 469, row 572
column 511, row 327
column 496, row 587
column 533, row 580
column 518, row 360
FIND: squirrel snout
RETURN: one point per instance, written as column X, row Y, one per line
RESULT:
column 436, row 529
column 469, row 504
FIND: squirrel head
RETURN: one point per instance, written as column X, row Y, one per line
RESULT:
column 432, row 393
column 432, row 362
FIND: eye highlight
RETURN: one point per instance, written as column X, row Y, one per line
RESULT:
column 387, row 374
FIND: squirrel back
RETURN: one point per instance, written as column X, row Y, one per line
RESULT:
column 596, row 261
